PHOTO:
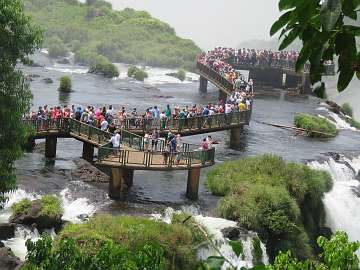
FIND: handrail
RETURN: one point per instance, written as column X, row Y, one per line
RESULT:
column 157, row 158
column 179, row 125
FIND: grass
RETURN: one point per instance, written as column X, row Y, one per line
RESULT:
column 51, row 206
column 315, row 123
column 132, row 233
column 273, row 197
column 347, row 109
column 21, row 207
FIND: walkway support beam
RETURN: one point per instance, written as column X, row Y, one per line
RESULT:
column 50, row 147
column 192, row 190
column 88, row 152
column 203, row 85
column 235, row 136
column 121, row 179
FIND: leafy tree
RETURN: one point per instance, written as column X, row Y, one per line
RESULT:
column 19, row 37
column 326, row 29
column 57, row 47
column 104, row 67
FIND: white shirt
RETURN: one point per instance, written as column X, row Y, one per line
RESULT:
column 115, row 140
column 104, row 125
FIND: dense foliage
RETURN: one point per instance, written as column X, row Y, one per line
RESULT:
column 181, row 74
column 337, row 254
column 65, row 84
column 127, row 36
column 111, row 241
column 56, row 47
column 327, row 29
column 347, row 109
column 19, row 37
column 49, row 206
column 137, row 73
column 101, row 65
column 313, row 123
column 281, row 201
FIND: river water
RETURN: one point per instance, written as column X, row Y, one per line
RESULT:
column 153, row 191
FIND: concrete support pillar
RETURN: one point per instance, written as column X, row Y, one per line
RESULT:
column 192, row 189
column 50, row 147
column 305, row 84
column 30, row 145
column 203, row 85
column 88, row 152
column 235, row 136
column 222, row 95
column 121, row 179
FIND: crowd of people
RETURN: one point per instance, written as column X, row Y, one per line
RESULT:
column 223, row 60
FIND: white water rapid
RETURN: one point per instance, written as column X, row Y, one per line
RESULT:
column 213, row 226
column 342, row 203
column 72, row 209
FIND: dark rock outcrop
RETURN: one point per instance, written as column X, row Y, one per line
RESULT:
column 34, row 216
column 64, row 61
column 48, row 80
column 7, row 230
column 8, row 261
column 231, row 233
column 334, row 107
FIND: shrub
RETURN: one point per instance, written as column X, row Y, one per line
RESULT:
column 181, row 74
column 256, row 250
column 315, row 123
column 281, row 201
column 133, row 233
column 65, row 84
column 57, row 47
column 137, row 73
column 51, row 206
column 347, row 109
column 104, row 67
column 21, row 207
column 353, row 122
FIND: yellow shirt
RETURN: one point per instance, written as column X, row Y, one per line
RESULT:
column 242, row 107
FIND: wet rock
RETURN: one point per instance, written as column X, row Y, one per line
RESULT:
column 149, row 87
column 65, row 61
column 357, row 176
column 8, row 261
column 231, row 233
column 48, row 80
column 166, row 97
column 88, row 173
column 2, row 244
column 334, row 107
column 34, row 216
column 335, row 156
column 83, row 217
column 7, row 230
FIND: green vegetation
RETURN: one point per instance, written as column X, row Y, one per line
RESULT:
column 180, row 74
column 315, row 123
column 326, row 29
column 347, row 109
column 176, row 241
column 19, row 38
column 127, row 36
column 103, row 66
column 21, row 207
column 137, row 73
column 56, row 47
column 65, row 84
column 50, row 206
column 256, row 251
column 337, row 253
column 281, row 201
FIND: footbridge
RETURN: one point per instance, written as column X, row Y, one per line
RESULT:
column 277, row 75
column 129, row 157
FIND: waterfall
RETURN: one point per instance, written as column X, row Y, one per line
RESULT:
column 342, row 204
column 214, row 227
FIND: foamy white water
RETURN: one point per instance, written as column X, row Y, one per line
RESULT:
column 213, row 226
column 342, row 205
column 68, row 69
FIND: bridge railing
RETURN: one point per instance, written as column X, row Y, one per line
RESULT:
column 48, row 125
column 157, row 158
column 178, row 125
column 89, row 132
column 211, row 73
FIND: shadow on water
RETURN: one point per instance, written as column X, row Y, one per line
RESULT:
column 64, row 97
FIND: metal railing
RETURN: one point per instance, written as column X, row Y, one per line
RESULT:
column 190, row 158
column 216, row 77
column 191, row 124
column 89, row 132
